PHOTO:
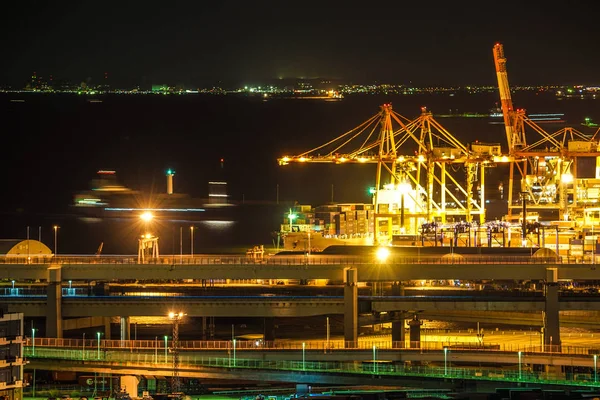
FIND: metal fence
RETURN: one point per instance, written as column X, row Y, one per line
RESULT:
column 378, row 366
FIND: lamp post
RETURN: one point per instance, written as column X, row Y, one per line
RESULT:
column 155, row 349
column 33, row 342
column 403, row 188
column 166, row 339
column 520, row 366
column 234, row 352
column 595, row 368
column 303, row 356
column 374, row 358
column 98, row 334
column 192, row 240
column 327, row 333
column 55, row 227
column 445, row 361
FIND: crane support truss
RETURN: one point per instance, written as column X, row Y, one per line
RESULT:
column 546, row 170
column 423, row 172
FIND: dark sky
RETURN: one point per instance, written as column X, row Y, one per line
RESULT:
column 198, row 42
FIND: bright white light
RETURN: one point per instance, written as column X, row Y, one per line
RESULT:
column 147, row 216
column 566, row 178
column 382, row 253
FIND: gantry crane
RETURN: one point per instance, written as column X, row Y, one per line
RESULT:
column 421, row 169
column 548, row 167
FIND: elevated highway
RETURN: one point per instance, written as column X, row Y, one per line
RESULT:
column 295, row 267
column 288, row 306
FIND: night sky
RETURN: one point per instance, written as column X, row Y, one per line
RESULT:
column 245, row 42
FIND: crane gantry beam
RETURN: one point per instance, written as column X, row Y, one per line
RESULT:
column 418, row 161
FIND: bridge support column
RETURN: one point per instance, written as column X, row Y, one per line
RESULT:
column 350, row 308
column 551, row 324
column 54, row 327
column 398, row 334
column 414, row 328
column 107, row 334
column 129, row 384
column 125, row 328
column 269, row 329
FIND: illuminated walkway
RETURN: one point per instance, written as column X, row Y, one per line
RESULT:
column 319, row 361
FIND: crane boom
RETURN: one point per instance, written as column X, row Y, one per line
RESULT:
column 513, row 138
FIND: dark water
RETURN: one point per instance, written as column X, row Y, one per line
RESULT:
column 54, row 144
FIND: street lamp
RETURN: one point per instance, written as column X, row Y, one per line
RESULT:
column 33, row 342
column 166, row 339
column 403, row 188
column 445, row 361
column 192, row 240
column 520, row 366
column 146, row 216
column 234, row 352
column 155, row 349
column 303, row 356
column 374, row 358
column 55, row 227
column 98, row 334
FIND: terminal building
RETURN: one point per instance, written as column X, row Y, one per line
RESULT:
column 11, row 356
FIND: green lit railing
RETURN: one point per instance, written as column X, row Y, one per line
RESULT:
column 191, row 362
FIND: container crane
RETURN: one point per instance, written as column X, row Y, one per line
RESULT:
column 548, row 167
column 421, row 169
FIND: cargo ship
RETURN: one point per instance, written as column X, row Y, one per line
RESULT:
column 309, row 229
column 107, row 198
column 497, row 117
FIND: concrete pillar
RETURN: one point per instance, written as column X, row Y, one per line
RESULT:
column 414, row 330
column 269, row 329
column 350, row 308
column 54, row 327
column 125, row 328
column 129, row 384
column 551, row 325
column 398, row 334
column 107, row 334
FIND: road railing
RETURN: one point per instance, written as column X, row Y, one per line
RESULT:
column 291, row 260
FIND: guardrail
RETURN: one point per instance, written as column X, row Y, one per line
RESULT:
column 279, row 260
column 373, row 367
column 331, row 345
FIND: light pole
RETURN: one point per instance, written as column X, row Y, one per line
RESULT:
column 98, row 334
column 595, row 368
column 303, row 356
column 192, row 240
column 374, row 358
column 33, row 342
column 166, row 339
column 327, row 332
column 176, row 317
column 520, row 366
column 55, row 227
column 234, row 352
column 445, row 361
column 83, row 348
